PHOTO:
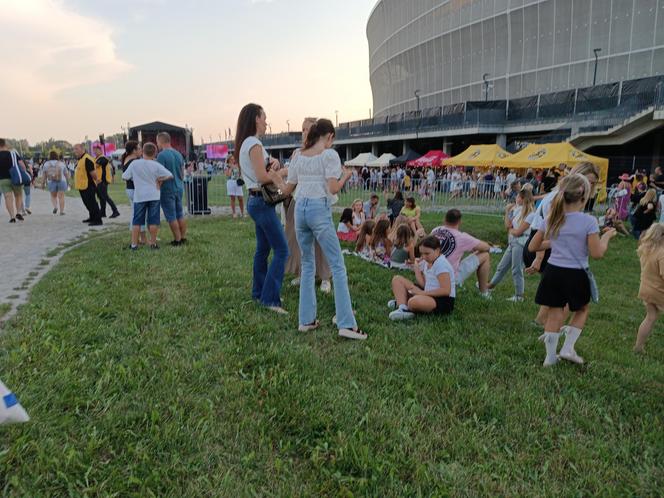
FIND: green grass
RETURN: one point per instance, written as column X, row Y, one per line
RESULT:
column 154, row 374
column 4, row 309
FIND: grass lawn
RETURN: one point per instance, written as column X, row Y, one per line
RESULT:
column 154, row 374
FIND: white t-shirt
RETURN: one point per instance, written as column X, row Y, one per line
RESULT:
column 343, row 228
column 54, row 169
column 542, row 212
column 661, row 208
column 310, row 174
column 247, row 168
column 517, row 219
column 144, row 173
column 440, row 266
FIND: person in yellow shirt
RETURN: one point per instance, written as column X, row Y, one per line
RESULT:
column 103, row 169
column 85, row 181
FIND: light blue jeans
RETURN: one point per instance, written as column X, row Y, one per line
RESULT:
column 130, row 195
column 512, row 258
column 313, row 220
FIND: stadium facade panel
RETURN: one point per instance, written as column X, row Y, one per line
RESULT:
column 444, row 48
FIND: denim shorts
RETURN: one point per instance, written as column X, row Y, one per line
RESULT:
column 149, row 207
column 60, row 186
column 171, row 204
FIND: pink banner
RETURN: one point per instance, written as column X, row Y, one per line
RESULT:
column 216, row 151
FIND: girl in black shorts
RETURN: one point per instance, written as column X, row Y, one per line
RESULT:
column 433, row 290
column 572, row 236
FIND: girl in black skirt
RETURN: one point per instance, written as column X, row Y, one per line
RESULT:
column 572, row 236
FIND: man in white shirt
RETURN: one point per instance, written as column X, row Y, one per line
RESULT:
column 147, row 175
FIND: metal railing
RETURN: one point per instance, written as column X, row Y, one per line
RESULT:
column 478, row 196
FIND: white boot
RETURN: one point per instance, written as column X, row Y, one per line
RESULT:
column 567, row 352
column 550, row 340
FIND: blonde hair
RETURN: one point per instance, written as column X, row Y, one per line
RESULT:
column 586, row 169
column 573, row 188
column 651, row 240
column 352, row 206
column 648, row 197
column 528, row 205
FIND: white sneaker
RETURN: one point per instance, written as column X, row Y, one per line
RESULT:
column 326, row 286
column 392, row 304
column 400, row 314
column 515, row 299
column 486, row 295
column 295, row 282
column 278, row 309
column 549, row 363
column 358, row 335
column 571, row 356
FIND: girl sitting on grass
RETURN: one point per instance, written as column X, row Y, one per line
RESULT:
column 364, row 237
column 572, row 236
column 433, row 290
column 403, row 251
column 651, row 291
column 346, row 232
column 358, row 214
column 413, row 212
column 518, row 218
column 381, row 246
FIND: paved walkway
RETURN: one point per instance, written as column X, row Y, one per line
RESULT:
column 24, row 246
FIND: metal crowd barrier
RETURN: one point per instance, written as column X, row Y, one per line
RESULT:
column 439, row 195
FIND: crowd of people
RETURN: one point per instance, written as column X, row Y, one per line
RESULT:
column 549, row 233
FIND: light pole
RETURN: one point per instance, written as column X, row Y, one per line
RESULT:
column 596, row 51
column 288, row 125
column 485, row 77
column 417, row 97
column 336, row 113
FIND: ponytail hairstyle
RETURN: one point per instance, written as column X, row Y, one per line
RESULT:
column 528, row 206
column 318, row 130
column 652, row 239
column 246, row 126
column 346, row 216
column 366, row 230
column 573, row 188
column 130, row 148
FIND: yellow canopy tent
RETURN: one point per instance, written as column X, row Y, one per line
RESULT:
column 544, row 156
column 480, row 156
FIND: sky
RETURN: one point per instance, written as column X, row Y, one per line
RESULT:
column 76, row 68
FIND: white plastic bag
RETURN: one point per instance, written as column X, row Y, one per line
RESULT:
column 11, row 411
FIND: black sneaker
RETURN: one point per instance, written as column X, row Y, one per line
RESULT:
column 86, row 221
column 19, row 217
column 115, row 215
column 154, row 247
column 103, row 216
column 13, row 220
column 55, row 211
column 95, row 223
column 183, row 241
column 176, row 243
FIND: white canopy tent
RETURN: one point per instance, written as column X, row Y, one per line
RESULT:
column 382, row 162
column 361, row 160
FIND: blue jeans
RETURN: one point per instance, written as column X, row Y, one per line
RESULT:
column 269, row 236
column 313, row 220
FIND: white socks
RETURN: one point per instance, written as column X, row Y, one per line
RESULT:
column 571, row 336
column 551, row 343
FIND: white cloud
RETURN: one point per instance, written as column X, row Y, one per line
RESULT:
column 48, row 48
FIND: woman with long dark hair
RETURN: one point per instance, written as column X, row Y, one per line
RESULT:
column 318, row 176
column 255, row 164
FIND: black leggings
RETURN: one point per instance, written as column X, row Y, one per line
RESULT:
column 102, row 193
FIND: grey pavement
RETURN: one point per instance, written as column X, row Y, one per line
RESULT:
column 24, row 246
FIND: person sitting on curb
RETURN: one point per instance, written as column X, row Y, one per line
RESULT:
column 454, row 244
